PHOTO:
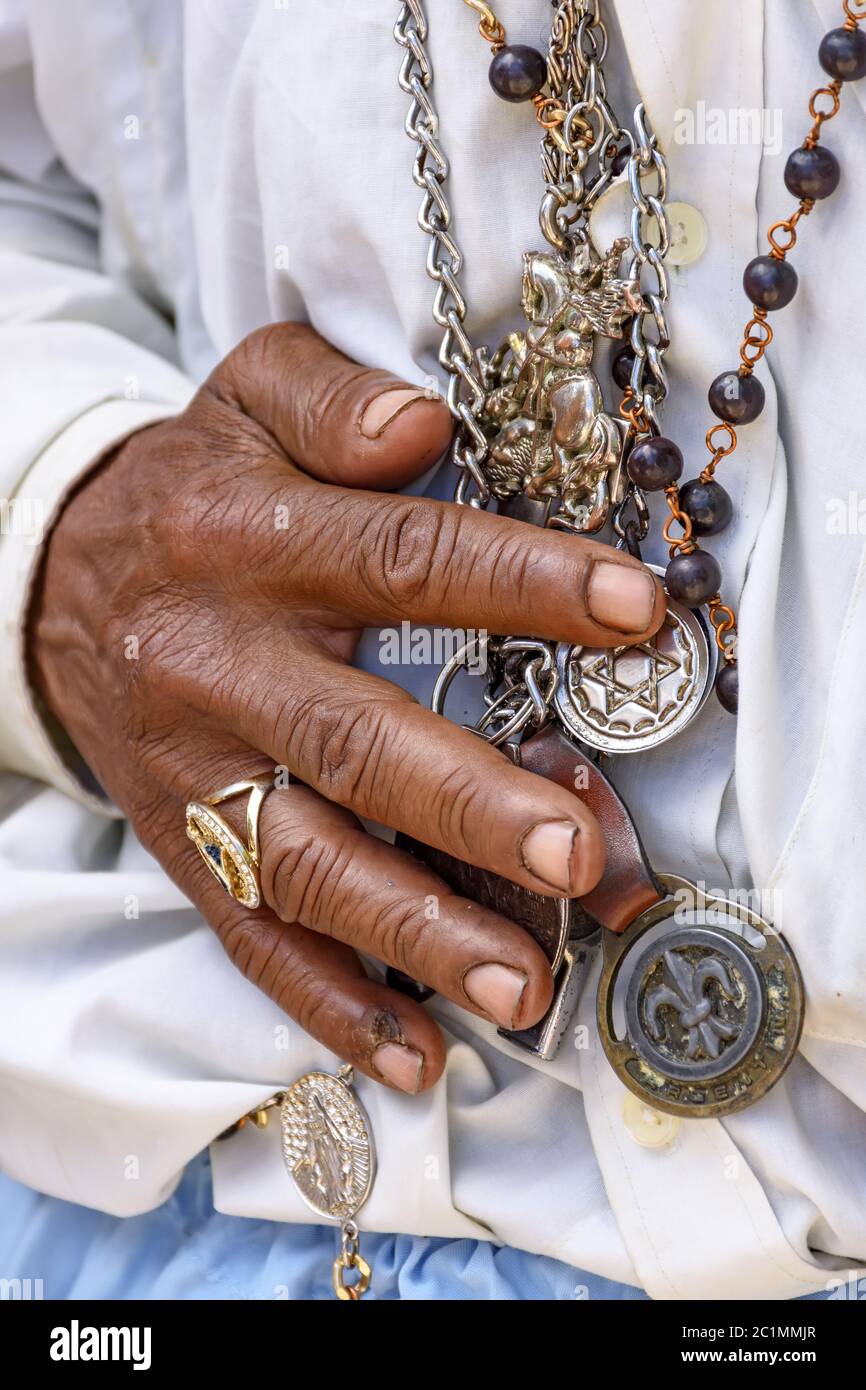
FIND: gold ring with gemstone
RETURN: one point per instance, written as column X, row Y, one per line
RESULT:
column 232, row 862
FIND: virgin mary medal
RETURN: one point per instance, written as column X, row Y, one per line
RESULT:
column 327, row 1145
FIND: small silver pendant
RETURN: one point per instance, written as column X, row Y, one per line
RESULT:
column 328, row 1144
column 629, row 699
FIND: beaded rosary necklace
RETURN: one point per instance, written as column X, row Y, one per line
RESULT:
column 702, row 506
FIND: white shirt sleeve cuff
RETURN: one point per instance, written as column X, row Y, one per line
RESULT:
column 28, row 743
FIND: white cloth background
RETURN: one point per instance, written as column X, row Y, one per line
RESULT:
column 269, row 178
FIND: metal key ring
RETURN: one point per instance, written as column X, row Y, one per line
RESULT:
column 455, row 663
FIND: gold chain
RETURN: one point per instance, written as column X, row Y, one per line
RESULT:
column 490, row 27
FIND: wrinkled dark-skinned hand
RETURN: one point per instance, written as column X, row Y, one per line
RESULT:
column 236, row 544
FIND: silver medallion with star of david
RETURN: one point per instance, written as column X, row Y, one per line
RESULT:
column 628, row 699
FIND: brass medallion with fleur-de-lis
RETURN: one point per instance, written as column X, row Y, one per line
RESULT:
column 694, row 1003
column 685, row 989
column 713, row 1010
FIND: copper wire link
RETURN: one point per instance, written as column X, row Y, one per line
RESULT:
column 833, row 90
column 490, row 28
column 635, row 414
column 725, row 624
column 757, row 337
column 548, row 112
column 719, row 450
column 789, row 225
column 686, row 543
column 494, row 34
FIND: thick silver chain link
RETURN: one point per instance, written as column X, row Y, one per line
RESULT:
column 650, row 336
column 464, row 365
column 649, row 382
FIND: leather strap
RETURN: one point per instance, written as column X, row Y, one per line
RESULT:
column 626, row 889
column 628, row 886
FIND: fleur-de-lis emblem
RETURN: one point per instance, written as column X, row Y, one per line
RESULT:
column 683, row 989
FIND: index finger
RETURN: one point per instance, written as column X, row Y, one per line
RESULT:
column 383, row 559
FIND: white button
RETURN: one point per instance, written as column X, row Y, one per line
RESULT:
column 689, row 233
column 647, row 1127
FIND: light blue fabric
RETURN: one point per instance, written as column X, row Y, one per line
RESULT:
column 186, row 1250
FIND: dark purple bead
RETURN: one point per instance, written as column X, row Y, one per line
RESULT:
column 693, row 578
column 708, row 504
column 812, row 173
column 843, row 54
column 728, row 687
column 770, row 283
column 737, row 397
column 621, row 365
column 517, row 72
column 655, row 463
column 404, row 984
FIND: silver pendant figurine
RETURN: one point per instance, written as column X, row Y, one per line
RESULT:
column 549, row 434
column 327, row 1145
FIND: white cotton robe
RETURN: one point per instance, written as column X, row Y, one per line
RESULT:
column 235, row 162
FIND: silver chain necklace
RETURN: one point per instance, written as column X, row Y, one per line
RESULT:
column 581, row 157
column 505, row 403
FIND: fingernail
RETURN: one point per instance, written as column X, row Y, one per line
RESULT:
column 497, row 989
column 620, row 596
column 385, row 408
column 549, row 851
column 400, row 1065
